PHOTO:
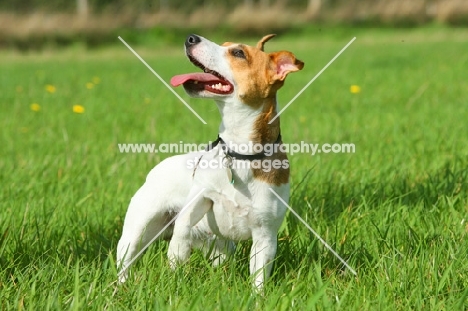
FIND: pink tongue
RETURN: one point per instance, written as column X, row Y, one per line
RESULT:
column 200, row 76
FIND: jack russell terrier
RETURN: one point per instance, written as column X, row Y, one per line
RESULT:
column 225, row 194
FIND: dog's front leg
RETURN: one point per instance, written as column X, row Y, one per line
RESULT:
column 180, row 246
column 262, row 254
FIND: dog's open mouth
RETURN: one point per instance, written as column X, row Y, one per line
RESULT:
column 209, row 80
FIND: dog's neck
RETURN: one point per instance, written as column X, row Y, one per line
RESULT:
column 242, row 123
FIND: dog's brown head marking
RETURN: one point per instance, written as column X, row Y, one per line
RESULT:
column 258, row 75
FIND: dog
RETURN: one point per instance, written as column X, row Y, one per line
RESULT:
column 224, row 193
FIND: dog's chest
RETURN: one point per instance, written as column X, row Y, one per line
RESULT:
column 229, row 219
column 231, row 196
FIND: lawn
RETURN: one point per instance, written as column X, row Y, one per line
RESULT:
column 396, row 209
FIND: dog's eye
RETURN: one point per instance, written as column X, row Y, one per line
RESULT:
column 238, row 53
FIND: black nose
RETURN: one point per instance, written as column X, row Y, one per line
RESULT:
column 192, row 40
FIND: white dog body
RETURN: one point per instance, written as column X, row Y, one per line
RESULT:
column 221, row 204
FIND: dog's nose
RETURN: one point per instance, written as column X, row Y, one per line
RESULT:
column 192, row 40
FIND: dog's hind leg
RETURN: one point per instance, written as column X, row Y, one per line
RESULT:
column 153, row 206
column 146, row 217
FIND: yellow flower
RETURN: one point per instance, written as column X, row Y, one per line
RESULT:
column 50, row 88
column 78, row 109
column 355, row 89
column 35, row 107
column 96, row 80
column 89, row 85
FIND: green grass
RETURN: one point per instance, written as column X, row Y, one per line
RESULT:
column 397, row 209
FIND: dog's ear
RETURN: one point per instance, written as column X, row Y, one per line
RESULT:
column 264, row 40
column 284, row 62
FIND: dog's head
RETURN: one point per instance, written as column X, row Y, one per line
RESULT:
column 235, row 70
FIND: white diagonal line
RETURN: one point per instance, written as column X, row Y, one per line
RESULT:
column 159, row 233
column 315, row 233
column 313, row 79
column 161, row 79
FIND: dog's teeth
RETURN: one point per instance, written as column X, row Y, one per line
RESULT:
column 220, row 86
column 195, row 82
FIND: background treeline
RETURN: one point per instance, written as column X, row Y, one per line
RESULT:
column 33, row 23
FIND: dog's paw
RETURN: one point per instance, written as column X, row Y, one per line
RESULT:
column 122, row 277
column 178, row 252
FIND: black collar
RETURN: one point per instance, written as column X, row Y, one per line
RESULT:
column 238, row 156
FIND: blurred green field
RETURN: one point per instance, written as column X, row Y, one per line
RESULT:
column 397, row 209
